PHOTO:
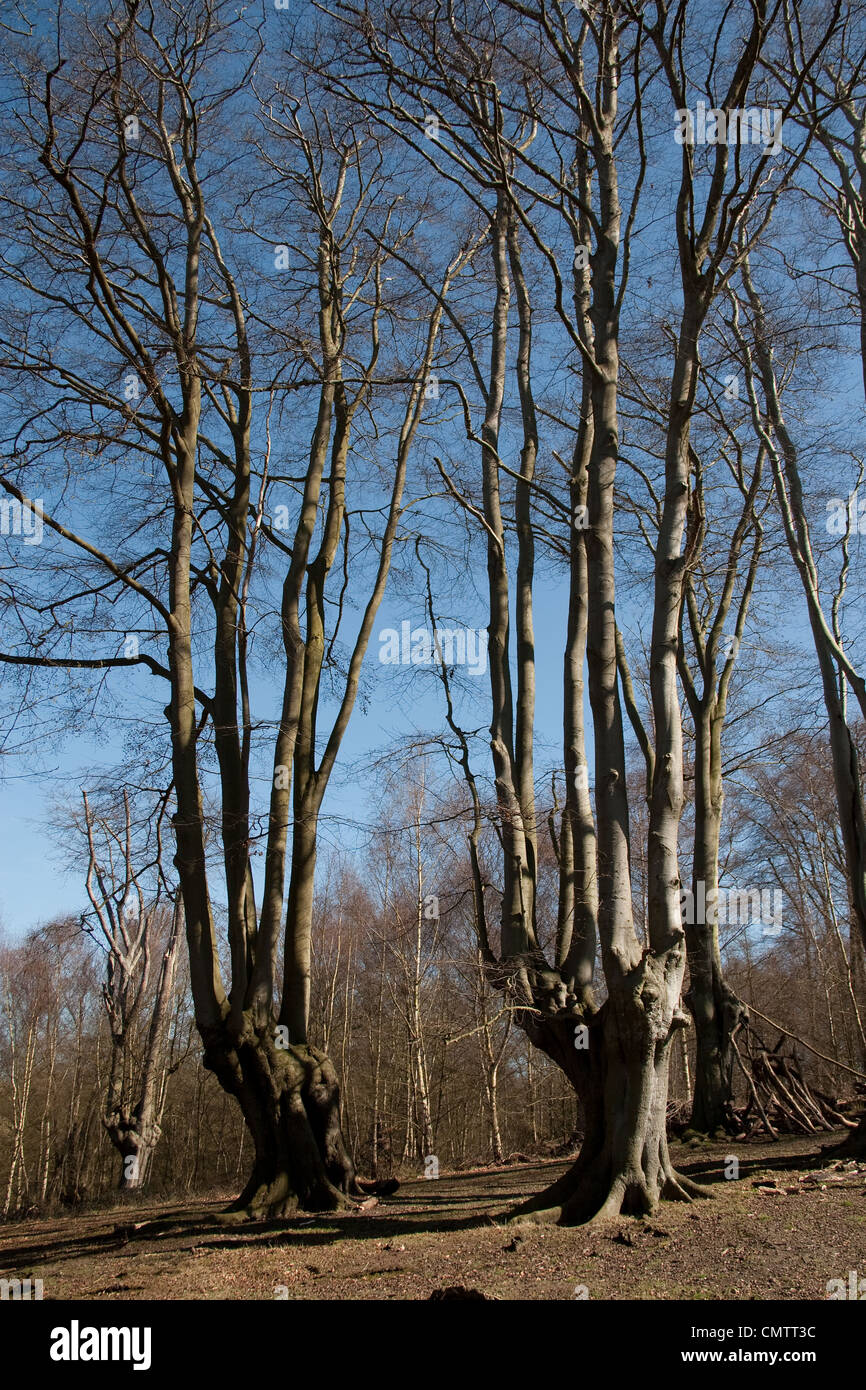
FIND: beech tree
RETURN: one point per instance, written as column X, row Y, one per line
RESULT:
column 723, row 549
column 831, row 105
column 147, row 339
column 523, row 111
column 279, row 317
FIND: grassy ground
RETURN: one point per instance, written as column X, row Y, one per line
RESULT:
column 790, row 1222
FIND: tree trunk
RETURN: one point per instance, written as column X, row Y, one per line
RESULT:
column 621, row 1079
column 716, row 1011
column 291, row 1104
column 136, row 1147
column 714, row 1006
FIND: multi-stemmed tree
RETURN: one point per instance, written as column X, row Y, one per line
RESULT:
column 235, row 270
column 523, row 111
column 197, row 322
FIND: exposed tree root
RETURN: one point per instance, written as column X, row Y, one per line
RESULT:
column 589, row 1192
column 291, row 1103
column 275, row 1200
column 616, row 1057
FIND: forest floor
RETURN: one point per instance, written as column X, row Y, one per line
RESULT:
column 793, row 1220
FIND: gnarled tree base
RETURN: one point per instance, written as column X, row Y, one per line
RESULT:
column 592, row 1191
column 291, row 1104
column 621, row 1076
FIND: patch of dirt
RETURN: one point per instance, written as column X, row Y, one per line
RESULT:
column 791, row 1221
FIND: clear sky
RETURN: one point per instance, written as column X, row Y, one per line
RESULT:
column 34, row 884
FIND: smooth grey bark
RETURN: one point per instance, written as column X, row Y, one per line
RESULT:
column 194, row 429
column 622, row 1075
column 577, row 913
column 714, row 1005
column 835, row 668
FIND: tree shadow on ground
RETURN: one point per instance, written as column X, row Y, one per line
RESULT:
column 463, row 1202
column 396, row 1215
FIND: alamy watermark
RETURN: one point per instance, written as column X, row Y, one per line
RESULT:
column 451, row 646
column 77, row 1343
column 22, row 518
column 736, row 906
column 21, row 1289
column 846, row 516
column 850, row 1288
column 708, row 125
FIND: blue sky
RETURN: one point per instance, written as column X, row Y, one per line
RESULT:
column 34, row 884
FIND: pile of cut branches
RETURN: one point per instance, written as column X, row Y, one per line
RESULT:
column 780, row 1099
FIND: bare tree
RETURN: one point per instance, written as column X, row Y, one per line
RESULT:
column 141, row 938
column 121, row 149
column 836, row 669
column 529, row 124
